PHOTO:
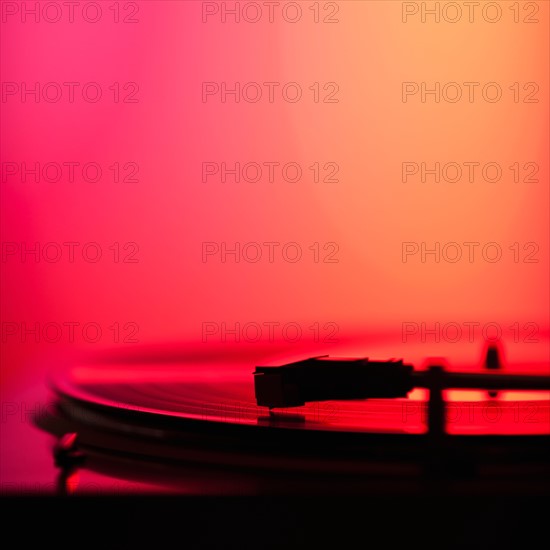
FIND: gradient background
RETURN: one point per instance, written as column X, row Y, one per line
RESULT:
column 169, row 212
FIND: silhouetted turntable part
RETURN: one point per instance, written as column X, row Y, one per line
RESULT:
column 324, row 378
column 216, row 460
column 493, row 361
column 197, row 428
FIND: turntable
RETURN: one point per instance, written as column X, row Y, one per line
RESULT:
column 319, row 425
